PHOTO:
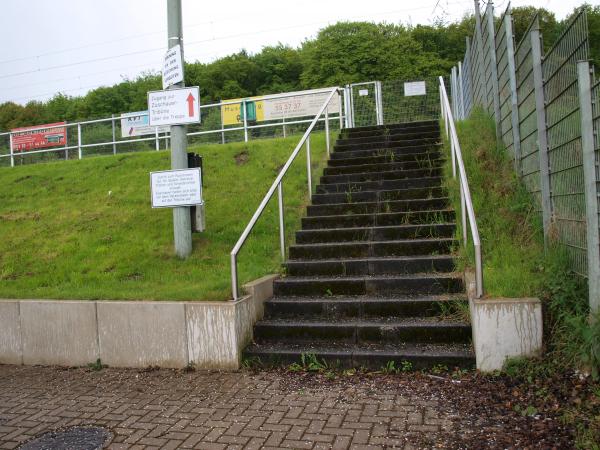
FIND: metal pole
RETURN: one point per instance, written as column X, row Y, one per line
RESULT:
column 377, row 105
column 510, row 56
column 463, row 212
column 461, row 100
column 479, row 37
column 222, row 127
column 340, row 97
column 12, row 153
column 79, row 140
column 284, row 130
column 182, row 226
column 114, row 135
column 590, row 184
column 538, row 82
column 243, row 106
column 234, row 286
column 494, row 68
column 308, row 168
column 327, row 130
column 156, row 140
column 281, row 220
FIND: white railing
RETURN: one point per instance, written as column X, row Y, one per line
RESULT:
column 466, row 203
column 80, row 146
column 277, row 185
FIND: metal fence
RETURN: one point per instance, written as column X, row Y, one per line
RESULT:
column 105, row 136
column 548, row 117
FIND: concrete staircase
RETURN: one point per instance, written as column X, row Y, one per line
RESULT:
column 372, row 268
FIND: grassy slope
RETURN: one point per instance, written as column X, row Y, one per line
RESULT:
column 85, row 229
column 512, row 241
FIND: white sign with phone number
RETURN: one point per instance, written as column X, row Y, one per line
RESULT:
column 299, row 106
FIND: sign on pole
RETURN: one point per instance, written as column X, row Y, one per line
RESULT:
column 39, row 136
column 414, row 88
column 170, row 188
column 136, row 124
column 174, row 106
column 172, row 72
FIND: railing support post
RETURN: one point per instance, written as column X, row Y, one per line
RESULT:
column 156, row 140
column 281, row 219
column 463, row 213
column 12, row 152
column 340, row 112
column 590, row 184
column 243, row 106
column 538, row 82
column 284, row 129
column 114, row 134
column 327, row 130
column 234, row 279
column 79, row 140
column 308, row 168
column 222, row 126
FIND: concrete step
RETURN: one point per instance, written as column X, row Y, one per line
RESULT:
column 393, row 175
column 360, row 306
column 370, row 356
column 392, row 135
column 394, row 232
column 384, row 185
column 392, row 330
column 413, row 152
column 370, row 266
column 379, row 219
column 380, row 129
column 385, row 157
column 383, row 167
column 364, row 249
column 387, row 206
column 378, row 196
column 413, row 284
column 397, row 143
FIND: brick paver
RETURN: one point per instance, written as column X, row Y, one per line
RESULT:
column 211, row 410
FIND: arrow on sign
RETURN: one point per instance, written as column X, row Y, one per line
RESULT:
column 190, row 101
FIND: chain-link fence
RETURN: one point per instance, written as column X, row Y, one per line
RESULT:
column 544, row 107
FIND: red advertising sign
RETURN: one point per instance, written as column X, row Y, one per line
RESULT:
column 32, row 138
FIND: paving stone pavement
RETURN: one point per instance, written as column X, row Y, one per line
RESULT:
column 169, row 409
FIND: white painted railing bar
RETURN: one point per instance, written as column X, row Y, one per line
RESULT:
column 467, row 209
column 277, row 185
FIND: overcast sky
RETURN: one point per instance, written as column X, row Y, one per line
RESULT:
column 72, row 46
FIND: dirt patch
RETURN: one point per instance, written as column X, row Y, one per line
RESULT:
column 241, row 158
column 27, row 177
column 19, row 216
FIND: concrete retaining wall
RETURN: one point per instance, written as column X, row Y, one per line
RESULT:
column 503, row 328
column 210, row 335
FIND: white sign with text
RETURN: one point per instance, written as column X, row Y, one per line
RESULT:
column 172, row 67
column 136, row 124
column 172, row 188
column 174, row 106
column 414, row 88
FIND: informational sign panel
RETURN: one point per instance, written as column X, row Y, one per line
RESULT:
column 302, row 103
column 363, row 92
column 414, row 88
column 174, row 106
column 172, row 188
column 30, row 138
column 172, row 67
column 137, row 124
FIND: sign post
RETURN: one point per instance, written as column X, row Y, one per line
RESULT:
column 182, row 221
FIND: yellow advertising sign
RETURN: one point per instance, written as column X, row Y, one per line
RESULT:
column 231, row 113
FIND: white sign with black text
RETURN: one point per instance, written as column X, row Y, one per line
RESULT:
column 174, row 106
column 172, row 67
column 414, row 88
column 172, row 188
column 136, row 124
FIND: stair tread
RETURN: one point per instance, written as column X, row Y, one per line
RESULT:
column 370, row 298
column 365, row 322
column 399, row 201
column 385, row 163
column 369, row 258
column 395, row 241
column 384, row 213
column 378, row 227
column 423, row 275
column 400, row 349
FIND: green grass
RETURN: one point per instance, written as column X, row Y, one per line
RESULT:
column 85, row 229
column 511, row 234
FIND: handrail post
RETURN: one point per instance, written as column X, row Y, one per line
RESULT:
column 222, row 126
column 281, row 220
column 114, row 135
column 453, row 157
column 284, row 130
column 340, row 99
column 12, row 153
column 308, row 168
column 234, row 279
column 327, row 130
column 156, row 141
column 79, row 140
column 478, row 271
column 463, row 213
column 243, row 106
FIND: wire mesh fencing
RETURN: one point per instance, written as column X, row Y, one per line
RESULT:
column 536, row 101
column 399, row 105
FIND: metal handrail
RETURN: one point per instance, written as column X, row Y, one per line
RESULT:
column 278, row 186
column 466, row 203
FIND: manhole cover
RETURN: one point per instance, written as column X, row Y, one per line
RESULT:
column 76, row 438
